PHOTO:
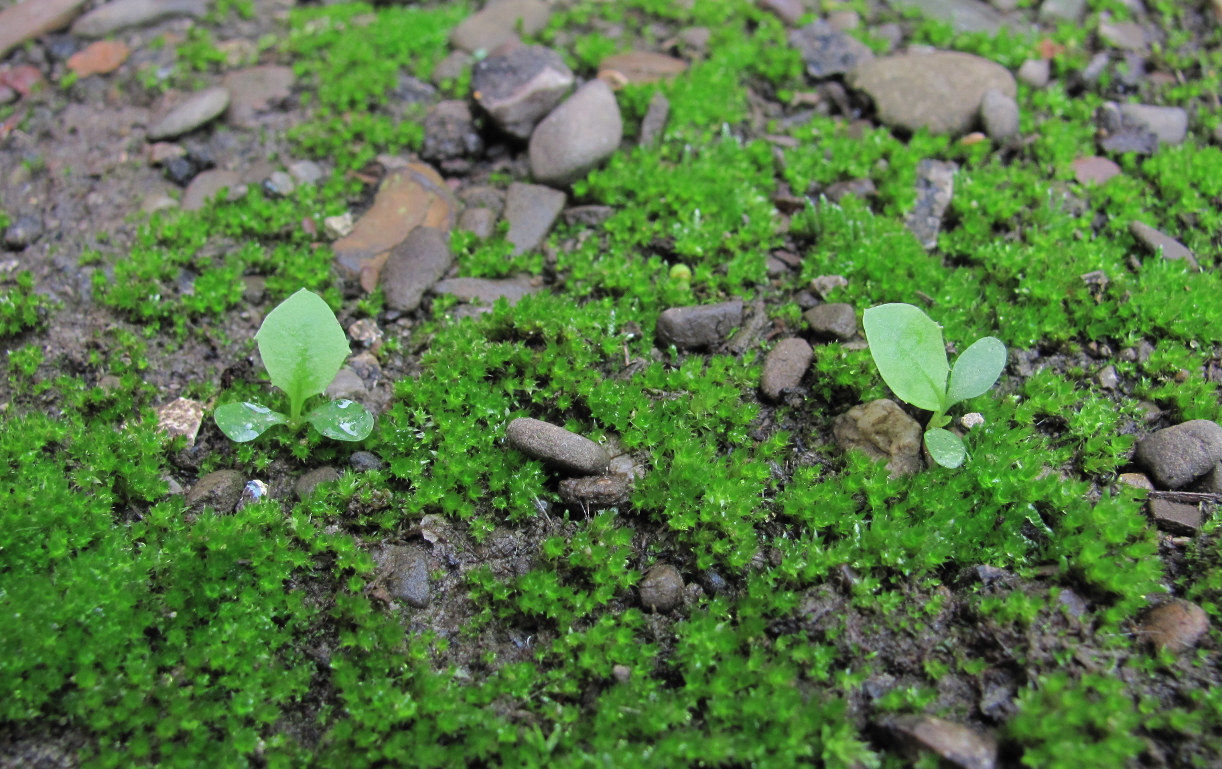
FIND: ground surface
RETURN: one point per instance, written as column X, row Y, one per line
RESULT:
column 752, row 593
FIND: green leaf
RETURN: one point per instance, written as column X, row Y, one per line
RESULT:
column 976, row 370
column 908, row 349
column 302, row 346
column 342, row 420
column 242, row 422
column 945, row 447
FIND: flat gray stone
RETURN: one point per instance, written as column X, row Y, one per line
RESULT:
column 414, row 266
column 1158, row 242
column 1176, row 517
column 955, row 744
column 517, row 89
column 785, row 366
column 255, row 90
column 1035, row 72
column 557, row 446
column 123, row 14
column 24, row 21
column 197, row 110
column 531, row 210
column 1062, row 10
column 939, row 91
column 935, row 187
column 405, row 570
column 576, row 136
column 308, row 483
column 480, row 221
column 1176, row 456
column 1169, row 124
column 499, row 23
column 208, row 185
column 962, row 15
column 653, row 125
column 485, row 290
column 699, row 326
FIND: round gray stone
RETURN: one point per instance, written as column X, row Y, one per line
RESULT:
column 553, row 444
column 1176, row 456
column 999, row 114
column 576, row 136
column 219, row 489
column 661, row 588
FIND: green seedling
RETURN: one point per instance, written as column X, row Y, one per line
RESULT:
column 303, row 347
column 908, row 349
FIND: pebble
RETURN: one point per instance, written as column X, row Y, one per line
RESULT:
column 1136, row 480
column 347, row 384
column 338, row 226
column 481, row 196
column 181, row 417
column 1062, row 10
column 642, row 66
column 1094, row 169
column 364, row 461
column 939, row 91
column 861, row 188
column 449, row 132
column 486, row 291
column 413, row 266
column 1169, row 124
column 837, row 321
column 824, row 285
column 207, row 185
column 1118, row 135
column 827, row 51
column 531, row 210
column 306, row 171
column 698, row 326
column 883, row 431
column 596, row 492
column 1175, row 626
column 197, row 110
column 499, row 23
column 480, row 221
column 280, row 184
column 999, row 115
column 409, row 197
column 255, row 90
column 1157, row 242
column 517, row 89
column 1126, row 35
column 784, row 367
column 1107, row 378
column 99, row 58
column 23, row 232
column 1176, row 517
column 661, row 589
column 309, row 483
column 28, row 19
column 955, row 744
column 219, row 489
column 653, row 125
column 788, row 11
column 935, row 186
column 158, row 201
column 1176, row 456
column 405, row 570
column 451, row 68
column 1035, row 72
column 568, row 451
column 122, row 14
column 576, row 136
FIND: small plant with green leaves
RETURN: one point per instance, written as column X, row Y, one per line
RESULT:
column 303, row 347
column 908, row 349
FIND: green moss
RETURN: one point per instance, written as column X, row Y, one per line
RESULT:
column 21, row 308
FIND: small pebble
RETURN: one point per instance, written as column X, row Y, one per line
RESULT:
column 1175, row 626
column 661, row 589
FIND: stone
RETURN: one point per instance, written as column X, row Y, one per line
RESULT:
column 28, row 19
column 449, row 132
column 1176, row 456
column 117, row 15
column 99, row 58
column 347, row 384
column 576, row 136
column 181, row 417
column 280, row 184
column 486, row 291
column 480, row 221
column 1062, row 10
column 596, row 492
column 785, row 366
column 939, row 91
column 642, row 66
column 1136, row 480
column 207, row 185
column 481, row 196
column 827, row 51
column 788, row 11
column 309, row 483
column 1211, row 482
column 219, row 489
column 861, row 188
column 955, row 744
column 518, row 88
column 1175, row 626
column 1169, row 124
column 836, row 321
column 451, row 68
column 405, row 572
column 661, row 589
column 697, row 326
column 256, row 90
column 1035, row 72
column 499, row 23
column 1159, row 243
column 198, row 109
column 1094, row 169
column 999, row 115
column 568, row 451
column 414, row 266
column 1176, row 517
column 23, row 232
column 306, row 171
column 531, row 210
column 935, row 187
column 1125, row 35
column 962, row 15
column 653, row 125
column 883, row 431
column 409, row 197
column 824, row 285
column 365, row 461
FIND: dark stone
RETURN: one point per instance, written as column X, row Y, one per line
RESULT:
column 828, row 51
column 307, row 483
column 700, row 325
column 219, row 489
column 414, row 266
column 365, row 461
column 1176, row 517
column 449, row 132
column 661, row 588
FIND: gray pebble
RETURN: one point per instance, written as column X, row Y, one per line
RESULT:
column 836, row 321
column 1035, row 72
column 25, row 230
column 661, row 588
column 553, row 444
column 219, row 489
column 414, row 266
column 499, row 23
column 999, row 114
column 1169, row 124
column 653, row 125
column 307, row 483
column 828, row 51
column 1176, row 517
column 1176, row 456
column 1062, row 10
column 365, row 461
column 531, row 210
column 784, row 367
column 480, row 221
column 935, row 187
column 1158, row 242
column 208, row 184
column 197, row 110
column 486, row 290
column 449, row 132
column 280, row 184
column 122, row 14
column 578, row 135
column 406, row 573
column 518, row 88
column 306, row 171
column 699, row 325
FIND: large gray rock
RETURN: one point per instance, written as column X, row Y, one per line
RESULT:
column 197, row 110
column 414, row 266
column 1176, row 456
column 700, row 325
column 578, row 135
column 499, row 23
column 553, row 444
column 883, row 431
column 939, row 91
column 517, row 89
column 531, row 210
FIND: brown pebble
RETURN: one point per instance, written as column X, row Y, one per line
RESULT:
column 661, row 588
column 1174, row 626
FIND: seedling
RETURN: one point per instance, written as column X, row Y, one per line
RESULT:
column 908, row 349
column 303, row 347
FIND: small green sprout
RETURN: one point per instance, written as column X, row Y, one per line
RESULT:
column 908, row 349
column 303, row 347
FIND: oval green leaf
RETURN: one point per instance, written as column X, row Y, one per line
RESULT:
column 976, row 370
column 342, row 420
column 908, row 349
column 302, row 346
column 945, row 447
column 242, row 422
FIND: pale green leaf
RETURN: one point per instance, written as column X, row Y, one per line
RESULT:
column 976, row 370
column 342, row 420
column 302, row 346
column 908, row 349
column 242, row 422
column 945, row 447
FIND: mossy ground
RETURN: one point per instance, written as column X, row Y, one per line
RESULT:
column 830, row 595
